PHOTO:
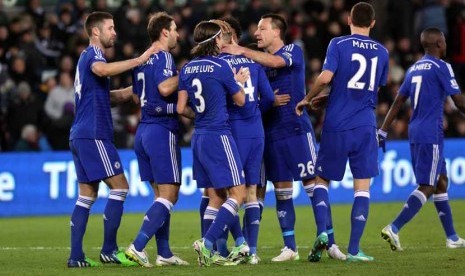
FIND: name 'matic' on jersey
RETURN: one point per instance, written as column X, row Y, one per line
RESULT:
column 428, row 82
column 360, row 67
column 146, row 78
column 92, row 97
column 247, row 119
column 207, row 80
column 283, row 121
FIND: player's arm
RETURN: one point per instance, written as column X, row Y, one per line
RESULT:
column 265, row 59
column 182, row 107
column 119, row 96
column 459, row 101
column 267, row 97
column 399, row 101
column 159, row 109
column 168, row 86
column 321, row 82
column 239, row 97
column 104, row 69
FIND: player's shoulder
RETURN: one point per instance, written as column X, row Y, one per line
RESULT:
column 292, row 47
column 94, row 52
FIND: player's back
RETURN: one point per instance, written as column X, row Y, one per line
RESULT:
column 360, row 67
column 93, row 115
column 283, row 121
column 207, row 81
column 428, row 82
column 246, row 120
column 146, row 79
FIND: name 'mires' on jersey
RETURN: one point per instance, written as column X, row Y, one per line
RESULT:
column 428, row 82
column 247, row 119
column 92, row 97
column 146, row 78
column 283, row 121
column 207, row 80
column 360, row 67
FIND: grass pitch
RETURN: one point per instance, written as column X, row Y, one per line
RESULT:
column 40, row 245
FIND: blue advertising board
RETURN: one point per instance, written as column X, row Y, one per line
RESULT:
column 45, row 183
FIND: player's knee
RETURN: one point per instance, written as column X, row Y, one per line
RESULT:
column 442, row 184
column 426, row 190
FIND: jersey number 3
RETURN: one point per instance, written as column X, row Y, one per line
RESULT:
column 198, row 95
column 354, row 82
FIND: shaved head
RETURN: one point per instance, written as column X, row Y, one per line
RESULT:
column 433, row 41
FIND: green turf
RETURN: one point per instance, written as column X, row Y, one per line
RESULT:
column 39, row 245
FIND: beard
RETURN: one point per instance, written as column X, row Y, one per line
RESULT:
column 107, row 43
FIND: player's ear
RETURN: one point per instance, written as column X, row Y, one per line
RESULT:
column 349, row 20
column 372, row 24
column 96, row 31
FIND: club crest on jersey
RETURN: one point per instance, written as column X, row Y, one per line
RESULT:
column 158, row 109
column 117, row 165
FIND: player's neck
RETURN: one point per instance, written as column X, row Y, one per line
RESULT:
column 433, row 54
column 359, row 30
column 98, row 45
column 274, row 47
column 162, row 45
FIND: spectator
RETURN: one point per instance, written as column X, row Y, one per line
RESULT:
column 32, row 140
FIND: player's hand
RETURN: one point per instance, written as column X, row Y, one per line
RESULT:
column 135, row 99
column 233, row 49
column 382, row 136
column 319, row 101
column 281, row 99
column 146, row 55
column 299, row 108
column 242, row 75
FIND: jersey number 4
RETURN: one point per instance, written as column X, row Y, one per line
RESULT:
column 354, row 82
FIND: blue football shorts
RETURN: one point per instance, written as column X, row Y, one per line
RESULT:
column 359, row 145
column 158, row 154
column 216, row 161
column 428, row 163
column 95, row 160
column 291, row 158
column 251, row 154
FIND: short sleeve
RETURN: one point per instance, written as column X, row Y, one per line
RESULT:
column 292, row 55
column 447, row 79
column 332, row 57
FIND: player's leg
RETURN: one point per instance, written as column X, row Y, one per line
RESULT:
column 331, row 162
column 203, row 206
column 220, row 150
column 425, row 166
column 363, row 161
column 359, row 217
column 78, row 223
column 441, row 202
column 278, row 171
column 168, row 193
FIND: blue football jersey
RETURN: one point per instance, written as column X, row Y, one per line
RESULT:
column 208, row 80
column 257, row 92
column 360, row 66
column 283, row 121
column 92, row 96
column 145, row 80
column 428, row 82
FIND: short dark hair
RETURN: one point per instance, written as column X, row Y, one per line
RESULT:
column 362, row 14
column 158, row 22
column 429, row 37
column 277, row 21
column 95, row 19
column 235, row 25
column 205, row 34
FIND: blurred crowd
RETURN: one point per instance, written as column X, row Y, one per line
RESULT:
column 40, row 45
